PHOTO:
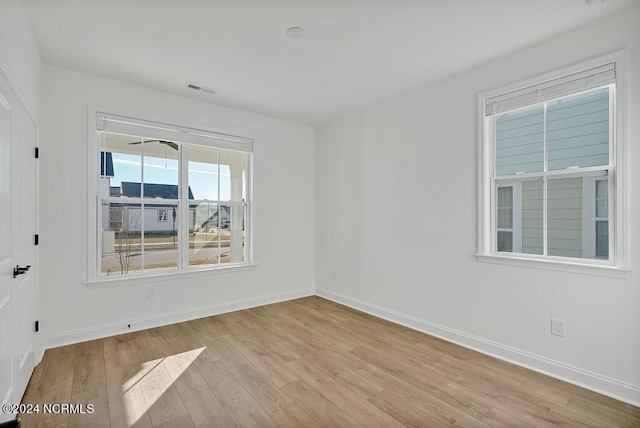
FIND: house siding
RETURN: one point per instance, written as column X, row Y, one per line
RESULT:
column 577, row 135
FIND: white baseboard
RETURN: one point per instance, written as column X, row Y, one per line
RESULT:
column 83, row 335
column 598, row 383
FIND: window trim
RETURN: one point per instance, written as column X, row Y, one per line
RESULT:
column 618, row 268
column 94, row 280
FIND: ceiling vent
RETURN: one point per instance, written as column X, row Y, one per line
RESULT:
column 200, row 88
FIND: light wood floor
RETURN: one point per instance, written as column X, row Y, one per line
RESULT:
column 303, row 363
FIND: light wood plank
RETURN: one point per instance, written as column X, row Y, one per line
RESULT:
column 406, row 414
column 418, row 394
column 30, row 394
column 205, row 409
column 99, row 417
column 344, row 375
column 257, row 333
column 127, row 406
column 412, row 373
column 195, row 345
column 293, row 416
column 141, row 347
column 263, row 361
column 241, row 406
column 357, row 407
column 499, row 419
column 606, row 409
column 89, row 367
column 319, row 407
column 259, row 386
column 162, row 398
column 116, row 351
column 525, row 405
column 55, row 385
column 183, row 372
column 181, row 422
column 167, row 345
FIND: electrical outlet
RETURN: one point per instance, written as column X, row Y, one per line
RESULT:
column 334, row 275
column 557, row 327
column 151, row 293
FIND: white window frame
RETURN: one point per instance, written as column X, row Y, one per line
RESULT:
column 94, row 279
column 617, row 266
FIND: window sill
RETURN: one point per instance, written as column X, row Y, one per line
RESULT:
column 167, row 276
column 560, row 266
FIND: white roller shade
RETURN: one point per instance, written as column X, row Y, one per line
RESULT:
column 162, row 131
column 567, row 85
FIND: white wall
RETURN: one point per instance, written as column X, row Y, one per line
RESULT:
column 397, row 220
column 19, row 54
column 284, row 203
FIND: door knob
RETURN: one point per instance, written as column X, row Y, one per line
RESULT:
column 20, row 270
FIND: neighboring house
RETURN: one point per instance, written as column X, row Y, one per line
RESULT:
column 158, row 218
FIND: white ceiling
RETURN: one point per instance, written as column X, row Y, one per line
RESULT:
column 355, row 52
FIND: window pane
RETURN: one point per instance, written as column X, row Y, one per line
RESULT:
column 236, row 235
column 578, row 130
column 505, row 218
column 519, row 141
column 204, row 242
column 505, row 197
column 121, row 239
column 120, row 162
column 602, row 208
column 602, row 200
column 602, row 239
column 602, row 189
column 505, row 207
column 233, row 175
column 564, row 217
column 532, row 222
column 203, row 172
column 219, row 234
column 505, row 241
column 160, row 238
column 160, row 169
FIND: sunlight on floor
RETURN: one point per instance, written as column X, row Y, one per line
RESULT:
column 145, row 388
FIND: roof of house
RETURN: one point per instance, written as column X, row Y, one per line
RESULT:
column 151, row 190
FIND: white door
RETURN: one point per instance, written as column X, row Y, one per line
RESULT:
column 17, row 247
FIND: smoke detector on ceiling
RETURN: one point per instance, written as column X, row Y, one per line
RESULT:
column 296, row 32
column 200, row 88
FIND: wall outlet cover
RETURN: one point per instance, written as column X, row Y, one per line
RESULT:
column 557, row 327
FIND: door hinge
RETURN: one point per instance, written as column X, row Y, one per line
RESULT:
column 36, row 239
column 37, row 152
column 36, row 326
